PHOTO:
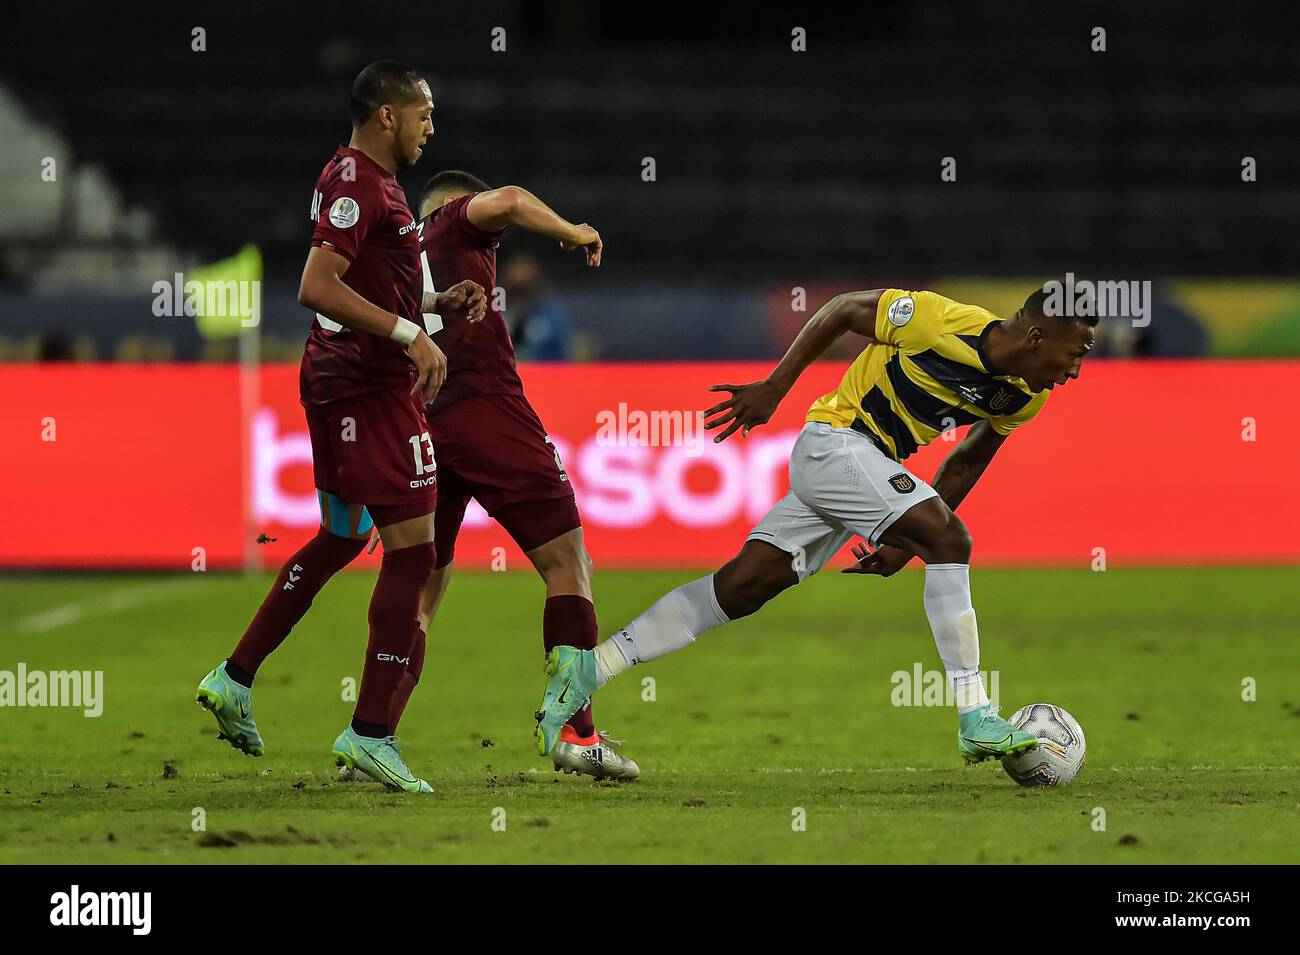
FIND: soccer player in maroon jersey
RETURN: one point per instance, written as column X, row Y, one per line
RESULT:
column 490, row 444
column 368, row 369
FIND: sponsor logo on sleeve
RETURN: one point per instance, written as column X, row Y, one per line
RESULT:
column 345, row 212
column 901, row 311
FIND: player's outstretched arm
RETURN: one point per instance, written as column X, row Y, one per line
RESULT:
column 323, row 290
column 752, row 405
column 515, row 206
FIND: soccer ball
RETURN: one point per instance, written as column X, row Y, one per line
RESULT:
column 1059, row 755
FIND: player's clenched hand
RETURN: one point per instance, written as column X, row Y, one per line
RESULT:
column 589, row 241
column 467, row 296
column 431, row 363
column 884, row 561
column 748, row 407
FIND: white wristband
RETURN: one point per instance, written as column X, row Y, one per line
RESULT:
column 405, row 331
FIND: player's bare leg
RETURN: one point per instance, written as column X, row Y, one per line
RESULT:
column 569, row 619
column 934, row 533
column 753, row 577
column 739, row 588
column 368, row 743
column 227, row 690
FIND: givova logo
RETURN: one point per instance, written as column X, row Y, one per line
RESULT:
column 75, row 907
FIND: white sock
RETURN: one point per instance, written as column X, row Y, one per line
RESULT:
column 952, row 620
column 674, row 622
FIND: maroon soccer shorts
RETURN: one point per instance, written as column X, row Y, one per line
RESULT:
column 493, row 448
column 375, row 450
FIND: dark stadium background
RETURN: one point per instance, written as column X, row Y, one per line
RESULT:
column 781, row 177
column 774, row 169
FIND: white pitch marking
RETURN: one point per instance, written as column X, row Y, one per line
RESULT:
column 117, row 601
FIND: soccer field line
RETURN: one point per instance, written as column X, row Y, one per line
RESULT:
column 117, row 601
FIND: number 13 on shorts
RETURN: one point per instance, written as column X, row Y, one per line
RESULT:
column 422, row 444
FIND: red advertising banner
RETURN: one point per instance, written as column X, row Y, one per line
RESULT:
column 1155, row 462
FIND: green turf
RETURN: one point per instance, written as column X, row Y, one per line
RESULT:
column 788, row 709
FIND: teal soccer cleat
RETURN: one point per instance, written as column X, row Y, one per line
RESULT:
column 380, row 759
column 232, row 705
column 570, row 681
column 983, row 734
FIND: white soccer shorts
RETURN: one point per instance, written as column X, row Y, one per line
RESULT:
column 841, row 486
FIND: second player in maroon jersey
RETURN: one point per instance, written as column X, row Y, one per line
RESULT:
column 490, row 444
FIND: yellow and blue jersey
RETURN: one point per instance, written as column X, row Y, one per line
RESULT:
column 926, row 371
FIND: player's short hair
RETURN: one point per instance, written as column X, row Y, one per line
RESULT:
column 1035, row 310
column 450, row 182
column 384, row 81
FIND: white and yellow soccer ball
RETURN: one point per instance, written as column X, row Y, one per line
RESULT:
column 1059, row 755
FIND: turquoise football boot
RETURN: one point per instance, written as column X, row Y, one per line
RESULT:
column 983, row 734
column 232, row 704
column 570, row 681
column 380, row 759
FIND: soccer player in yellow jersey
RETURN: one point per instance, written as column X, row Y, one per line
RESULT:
column 930, row 364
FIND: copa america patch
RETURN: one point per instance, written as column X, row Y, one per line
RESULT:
column 345, row 212
column 903, row 483
column 901, row 311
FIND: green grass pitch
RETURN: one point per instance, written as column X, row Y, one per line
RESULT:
column 787, row 710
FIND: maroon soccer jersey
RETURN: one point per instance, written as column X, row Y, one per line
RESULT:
column 480, row 356
column 360, row 213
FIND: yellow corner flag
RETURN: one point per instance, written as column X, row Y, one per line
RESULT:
column 227, row 295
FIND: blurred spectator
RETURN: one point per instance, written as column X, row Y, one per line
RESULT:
column 538, row 322
column 1173, row 332
column 56, row 346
